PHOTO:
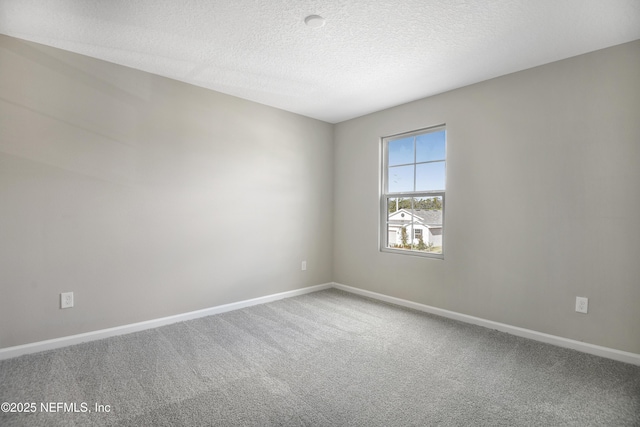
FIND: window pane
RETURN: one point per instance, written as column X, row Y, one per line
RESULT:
column 401, row 151
column 393, row 205
column 392, row 236
column 399, row 237
column 430, row 176
column 430, row 146
column 427, row 224
column 400, row 179
column 399, row 223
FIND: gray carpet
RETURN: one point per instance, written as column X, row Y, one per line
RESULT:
column 323, row 359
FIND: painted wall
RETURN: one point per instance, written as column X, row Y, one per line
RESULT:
column 128, row 189
column 548, row 159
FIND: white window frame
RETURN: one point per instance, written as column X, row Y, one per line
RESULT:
column 385, row 194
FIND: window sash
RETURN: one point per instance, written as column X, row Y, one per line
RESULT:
column 386, row 195
column 385, row 244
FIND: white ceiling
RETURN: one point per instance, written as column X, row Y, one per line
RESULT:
column 370, row 55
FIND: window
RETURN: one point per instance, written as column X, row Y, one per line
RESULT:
column 413, row 192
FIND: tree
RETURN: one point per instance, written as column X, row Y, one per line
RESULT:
column 404, row 237
column 421, row 245
column 398, row 204
column 431, row 203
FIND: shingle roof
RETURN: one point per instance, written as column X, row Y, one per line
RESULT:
column 429, row 217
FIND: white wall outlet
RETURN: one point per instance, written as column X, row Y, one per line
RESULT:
column 66, row 300
column 582, row 304
column 304, row 265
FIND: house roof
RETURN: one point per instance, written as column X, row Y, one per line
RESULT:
column 423, row 216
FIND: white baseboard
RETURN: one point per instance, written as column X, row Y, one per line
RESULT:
column 610, row 353
column 9, row 352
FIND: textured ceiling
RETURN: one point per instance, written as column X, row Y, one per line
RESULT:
column 370, row 55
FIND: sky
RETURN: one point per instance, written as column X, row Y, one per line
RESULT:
column 417, row 160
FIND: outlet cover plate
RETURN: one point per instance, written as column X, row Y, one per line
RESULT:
column 582, row 304
column 66, row 300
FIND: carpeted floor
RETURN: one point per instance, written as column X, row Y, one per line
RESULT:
column 323, row 359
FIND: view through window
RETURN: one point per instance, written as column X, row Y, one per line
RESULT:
column 413, row 192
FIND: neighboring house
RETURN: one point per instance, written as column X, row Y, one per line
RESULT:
column 419, row 223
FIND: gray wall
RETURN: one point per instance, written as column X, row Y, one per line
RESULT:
column 543, row 200
column 147, row 197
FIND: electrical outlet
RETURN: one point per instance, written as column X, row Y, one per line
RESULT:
column 304, row 265
column 66, row 300
column 582, row 304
